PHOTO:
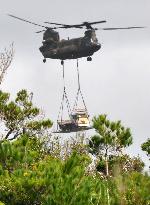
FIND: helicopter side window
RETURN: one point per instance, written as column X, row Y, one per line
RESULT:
column 85, row 41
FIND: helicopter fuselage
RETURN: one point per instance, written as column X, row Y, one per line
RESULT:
column 70, row 49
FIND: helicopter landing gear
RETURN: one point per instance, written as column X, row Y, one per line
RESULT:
column 44, row 60
column 89, row 58
column 62, row 62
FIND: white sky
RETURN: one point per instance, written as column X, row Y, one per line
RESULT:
column 116, row 82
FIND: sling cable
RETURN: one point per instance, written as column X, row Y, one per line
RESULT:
column 78, row 117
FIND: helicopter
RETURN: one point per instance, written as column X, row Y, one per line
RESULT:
column 55, row 48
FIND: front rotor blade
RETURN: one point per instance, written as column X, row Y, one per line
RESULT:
column 58, row 24
column 39, row 31
column 121, row 28
column 26, row 21
column 65, row 25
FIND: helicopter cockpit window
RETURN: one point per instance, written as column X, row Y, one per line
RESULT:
column 87, row 38
column 93, row 37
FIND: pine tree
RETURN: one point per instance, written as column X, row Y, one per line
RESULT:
column 110, row 140
column 21, row 116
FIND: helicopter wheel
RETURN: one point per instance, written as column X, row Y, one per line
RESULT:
column 44, row 60
column 89, row 58
column 62, row 62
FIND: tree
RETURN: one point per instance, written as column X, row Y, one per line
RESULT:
column 6, row 58
column 20, row 116
column 146, row 147
column 110, row 140
column 121, row 164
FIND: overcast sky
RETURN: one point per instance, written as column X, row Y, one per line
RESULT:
column 116, row 82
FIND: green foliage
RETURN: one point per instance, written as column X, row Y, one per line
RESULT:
column 120, row 164
column 35, row 170
column 42, row 179
column 136, row 189
column 22, row 152
column 20, row 116
column 30, row 175
column 146, row 147
column 112, row 136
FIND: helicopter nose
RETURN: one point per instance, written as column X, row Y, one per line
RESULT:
column 97, row 46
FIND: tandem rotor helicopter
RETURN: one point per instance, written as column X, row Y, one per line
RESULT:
column 75, row 48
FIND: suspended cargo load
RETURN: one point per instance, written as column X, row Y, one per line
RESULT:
column 70, row 127
column 79, row 121
column 78, row 118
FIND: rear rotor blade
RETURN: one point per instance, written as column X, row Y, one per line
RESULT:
column 88, row 24
column 96, row 22
column 121, row 28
